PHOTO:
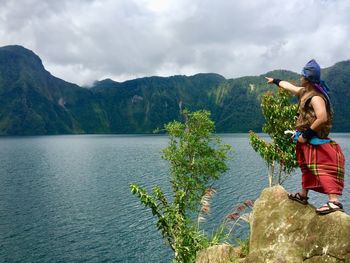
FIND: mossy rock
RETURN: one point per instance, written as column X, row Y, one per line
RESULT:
column 283, row 230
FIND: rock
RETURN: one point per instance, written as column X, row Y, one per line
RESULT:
column 219, row 254
column 285, row 231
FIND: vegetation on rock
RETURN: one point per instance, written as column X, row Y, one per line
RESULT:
column 196, row 160
column 279, row 113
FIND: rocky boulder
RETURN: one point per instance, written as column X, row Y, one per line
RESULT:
column 285, row 231
column 219, row 254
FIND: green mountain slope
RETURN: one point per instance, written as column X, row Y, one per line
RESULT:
column 338, row 79
column 35, row 102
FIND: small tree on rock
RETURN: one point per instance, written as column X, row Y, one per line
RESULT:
column 196, row 160
column 279, row 114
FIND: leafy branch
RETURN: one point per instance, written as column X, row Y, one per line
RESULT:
column 197, row 158
column 279, row 114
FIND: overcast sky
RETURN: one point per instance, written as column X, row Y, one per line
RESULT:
column 85, row 40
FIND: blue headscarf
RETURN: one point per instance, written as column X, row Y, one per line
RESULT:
column 312, row 72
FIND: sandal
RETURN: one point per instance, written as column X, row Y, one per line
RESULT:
column 299, row 198
column 331, row 206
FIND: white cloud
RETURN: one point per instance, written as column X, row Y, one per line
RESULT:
column 84, row 40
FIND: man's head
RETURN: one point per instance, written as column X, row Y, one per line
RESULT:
column 312, row 71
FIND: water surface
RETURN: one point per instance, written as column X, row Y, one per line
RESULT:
column 67, row 198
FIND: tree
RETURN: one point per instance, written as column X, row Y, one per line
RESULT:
column 279, row 114
column 196, row 160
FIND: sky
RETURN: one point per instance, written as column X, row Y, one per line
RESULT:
column 82, row 41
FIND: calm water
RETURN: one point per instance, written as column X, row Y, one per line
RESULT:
column 67, row 198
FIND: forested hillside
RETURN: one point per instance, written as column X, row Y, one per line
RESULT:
column 35, row 102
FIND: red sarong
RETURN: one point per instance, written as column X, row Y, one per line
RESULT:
column 322, row 167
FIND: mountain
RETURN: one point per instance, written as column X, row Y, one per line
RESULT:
column 338, row 79
column 34, row 102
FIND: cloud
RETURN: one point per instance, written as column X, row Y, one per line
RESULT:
column 81, row 41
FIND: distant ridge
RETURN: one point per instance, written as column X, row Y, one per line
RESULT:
column 33, row 102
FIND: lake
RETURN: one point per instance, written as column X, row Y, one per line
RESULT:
column 67, row 198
